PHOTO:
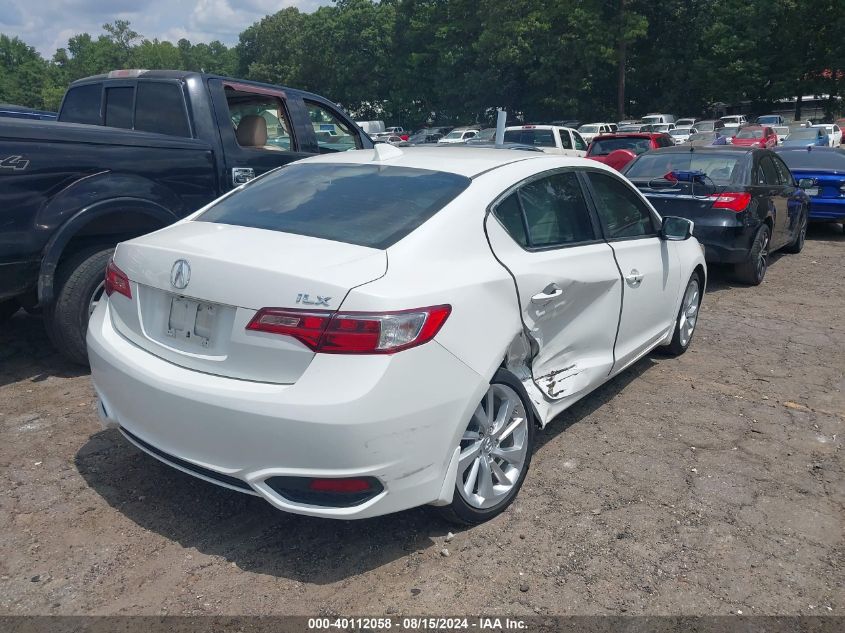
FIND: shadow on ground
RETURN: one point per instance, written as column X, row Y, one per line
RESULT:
column 256, row 537
column 26, row 353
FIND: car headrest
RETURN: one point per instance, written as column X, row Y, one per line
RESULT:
column 252, row 131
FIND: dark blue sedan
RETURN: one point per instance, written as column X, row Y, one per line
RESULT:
column 824, row 167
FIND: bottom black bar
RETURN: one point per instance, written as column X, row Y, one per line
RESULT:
column 411, row 624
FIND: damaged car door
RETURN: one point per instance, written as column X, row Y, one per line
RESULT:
column 569, row 287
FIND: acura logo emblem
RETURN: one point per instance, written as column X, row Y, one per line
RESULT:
column 180, row 274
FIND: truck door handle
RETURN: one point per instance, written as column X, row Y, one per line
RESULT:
column 552, row 291
column 634, row 277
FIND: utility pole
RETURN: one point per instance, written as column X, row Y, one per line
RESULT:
column 620, row 86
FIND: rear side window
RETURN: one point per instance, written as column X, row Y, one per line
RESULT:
column 621, row 211
column 367, row 205
column 160, row 108
column 565, row 141
column 579, row 142
column 119, row 107
column 509, row 214
column 766, row 172
column 82, row 105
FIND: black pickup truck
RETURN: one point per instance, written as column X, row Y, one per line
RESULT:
column 134, row 151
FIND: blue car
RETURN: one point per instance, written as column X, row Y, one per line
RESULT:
column 821, row 173
column 802, row 137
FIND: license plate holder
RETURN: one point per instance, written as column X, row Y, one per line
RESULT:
column 191, row 321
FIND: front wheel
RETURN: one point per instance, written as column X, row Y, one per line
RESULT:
column 495, row 453
column 754, row 269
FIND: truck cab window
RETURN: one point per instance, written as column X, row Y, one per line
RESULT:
column 333, row 133
column 119, row 107
column 259, row 121
column 160, row 107
column 82, row 105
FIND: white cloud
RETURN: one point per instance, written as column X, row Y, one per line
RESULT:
column 196, row 20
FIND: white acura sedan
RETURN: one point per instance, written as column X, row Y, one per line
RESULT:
column 368, row 331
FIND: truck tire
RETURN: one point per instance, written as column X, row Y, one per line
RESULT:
column 8, row 307
column 79, row 283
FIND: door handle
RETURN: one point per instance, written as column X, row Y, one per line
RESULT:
column 634, row 277
column 552, row 291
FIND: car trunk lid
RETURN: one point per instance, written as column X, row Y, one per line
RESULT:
column 196, row 286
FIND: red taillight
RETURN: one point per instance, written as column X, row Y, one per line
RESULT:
column 734, row 201
column 116, row 281
column 353, row 332
column 341, row 486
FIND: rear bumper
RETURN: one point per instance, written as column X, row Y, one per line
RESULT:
column 827, row 209
column 725, row 244
column 396, row 418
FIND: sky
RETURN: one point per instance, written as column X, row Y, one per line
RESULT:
column 47, row 24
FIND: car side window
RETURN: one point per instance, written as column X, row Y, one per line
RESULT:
column 784, row 175
column 565, row 140
column 556, row 211
column 579, row 142
column 509, row 214
column 333, row 133
column 260, row 120
column 767, row 173
column 160, row 108
column 621, row 211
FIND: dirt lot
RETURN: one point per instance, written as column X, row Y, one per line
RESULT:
column 706, row 484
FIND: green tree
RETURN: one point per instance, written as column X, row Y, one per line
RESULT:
column 22, row 73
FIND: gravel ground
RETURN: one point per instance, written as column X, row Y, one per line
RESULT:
column 703, row 485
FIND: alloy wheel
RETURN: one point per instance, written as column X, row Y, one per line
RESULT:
column 762, row 259
column 689, row 312
column 493, row 448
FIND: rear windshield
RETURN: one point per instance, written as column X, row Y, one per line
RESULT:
column 538, row 138
column 822, row 161
column 721, row 167
column 750, row 133
column 804, row 134
column 707, row 126
column 603, row 147
column 367, row 205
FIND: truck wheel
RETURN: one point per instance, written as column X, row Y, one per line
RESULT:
column 78, row 286
column 8, row 308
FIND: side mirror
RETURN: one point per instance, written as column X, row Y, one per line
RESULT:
column 676, row 229
column 805, row 183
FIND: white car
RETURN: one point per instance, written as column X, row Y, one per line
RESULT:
column 369, row 331
column 589, row 131
column 551, row 139
column 781, row 132
column 655, row 117
column 461, row 135
column 662, row 127
column 687, row 122
column 737, row 120
column 681, row 134
column 834, row 133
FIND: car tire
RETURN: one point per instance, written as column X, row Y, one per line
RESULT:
column 753, row 271
column 78, row 285
column 8, row 308
column 797, row 245
column 687, row 317
column 477, row 495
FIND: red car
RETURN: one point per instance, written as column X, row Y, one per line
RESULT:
column 756, row 136
column 617, row 150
